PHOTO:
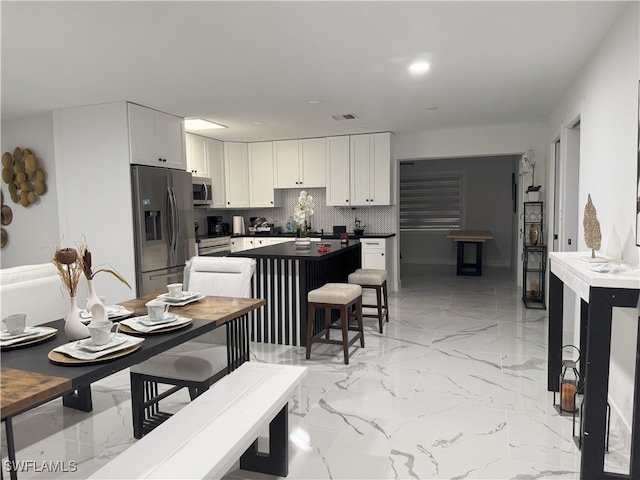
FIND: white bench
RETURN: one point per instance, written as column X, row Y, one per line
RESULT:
column 206, row 437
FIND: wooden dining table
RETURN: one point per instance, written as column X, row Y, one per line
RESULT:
column 28, row 377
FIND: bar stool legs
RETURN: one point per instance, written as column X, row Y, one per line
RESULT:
column 376, row 280
column 348, row 301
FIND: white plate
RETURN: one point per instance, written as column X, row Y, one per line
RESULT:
column 87, row 344
column 168, row 317
column 135, row 324
column 28, row 331
column 182, row 298
column 113, row 311
column 199, row 296
column 35, row 333
column 71, row 349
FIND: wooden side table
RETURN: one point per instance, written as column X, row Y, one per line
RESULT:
column 463, row 237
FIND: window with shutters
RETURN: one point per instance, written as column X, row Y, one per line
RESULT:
column 431, row 203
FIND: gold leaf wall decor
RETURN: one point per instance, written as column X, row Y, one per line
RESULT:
column 592, row 235
column 26, row 182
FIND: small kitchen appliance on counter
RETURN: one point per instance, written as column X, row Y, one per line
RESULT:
column 216, row 227
column 238, row 225
column 260, row 225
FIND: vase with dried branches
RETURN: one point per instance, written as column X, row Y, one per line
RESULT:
column 70, row 266
column 94, row 303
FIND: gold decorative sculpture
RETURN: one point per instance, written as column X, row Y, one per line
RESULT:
column 21, row 173
column 592, row 235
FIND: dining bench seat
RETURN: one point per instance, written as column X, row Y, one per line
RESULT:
column 206, row 437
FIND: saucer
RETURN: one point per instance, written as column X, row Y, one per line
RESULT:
column 28, row 331
column 87, row 343
column 168, row 317
column 183, row 296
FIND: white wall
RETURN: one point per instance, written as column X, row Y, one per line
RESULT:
column 487, row 204
column 34, row 232
column 607, row 89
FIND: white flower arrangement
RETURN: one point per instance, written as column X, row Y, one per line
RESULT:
column 528, row 165
column 303, row 211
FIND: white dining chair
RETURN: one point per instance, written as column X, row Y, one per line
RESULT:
column 196, row 364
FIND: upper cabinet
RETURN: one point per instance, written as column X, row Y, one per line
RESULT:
column 215, row 166
column 197, row 162
column 359, row 170
column 337, row 161
column 236, row 172
column 371, row 169
column 156, row 138
column 299, row 163
column 261, row 190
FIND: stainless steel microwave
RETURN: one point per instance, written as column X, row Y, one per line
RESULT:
column 202, row 191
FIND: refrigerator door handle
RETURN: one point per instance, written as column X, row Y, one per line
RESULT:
column 170, row 218
column 176, row 219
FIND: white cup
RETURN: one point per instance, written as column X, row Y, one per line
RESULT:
column 14, row 323
column 156, row 310
column 175, row 290
column 101, row 333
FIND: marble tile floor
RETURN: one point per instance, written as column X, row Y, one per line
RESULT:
column 454, row 388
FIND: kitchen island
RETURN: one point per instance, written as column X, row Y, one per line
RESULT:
column 284, row 276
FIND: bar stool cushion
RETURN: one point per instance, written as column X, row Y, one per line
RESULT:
column 368, row 276
column 335, row 293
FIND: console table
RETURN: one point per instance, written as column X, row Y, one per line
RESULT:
column 599, row 293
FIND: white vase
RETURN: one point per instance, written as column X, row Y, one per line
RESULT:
column 73, row 326
column 533, row 196
column 304, row 242
column 95, row 305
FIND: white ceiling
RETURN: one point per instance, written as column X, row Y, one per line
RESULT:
column 492, row 63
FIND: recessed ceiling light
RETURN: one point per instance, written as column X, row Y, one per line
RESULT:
column 419, row 68
column 315, row 102
column 258, row 122
column 196, row 124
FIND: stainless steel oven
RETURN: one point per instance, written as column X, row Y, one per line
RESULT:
column 214, row 246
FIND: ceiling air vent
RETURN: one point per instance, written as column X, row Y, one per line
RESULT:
column 346, row 116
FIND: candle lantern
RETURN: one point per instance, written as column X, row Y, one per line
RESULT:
column 570, row 380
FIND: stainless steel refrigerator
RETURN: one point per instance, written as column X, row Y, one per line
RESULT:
column 163, row 226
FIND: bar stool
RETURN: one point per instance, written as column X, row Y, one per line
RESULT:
column 377, row 280
column 336, row 296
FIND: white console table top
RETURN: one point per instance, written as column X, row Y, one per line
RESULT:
column 576, row 274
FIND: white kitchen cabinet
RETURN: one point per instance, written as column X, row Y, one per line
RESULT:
column 236, row 171
column 338, row 170
column 261, row 242
column 376, row 253
column 156, row 138
column 261, row 191
column 197, row 162
column 215, row 166
column 312, row 169
column 236, row 244
column 370, row 175
column 300, row 163
column 275, row 241
column 248, row 243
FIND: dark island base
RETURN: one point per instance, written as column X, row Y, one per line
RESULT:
column 283, row 278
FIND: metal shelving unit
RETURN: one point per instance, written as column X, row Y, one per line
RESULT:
column 534, row 257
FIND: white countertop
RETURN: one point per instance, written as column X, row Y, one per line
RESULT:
column 577, row 274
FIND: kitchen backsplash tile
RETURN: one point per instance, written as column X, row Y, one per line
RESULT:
column 375, row 219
